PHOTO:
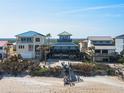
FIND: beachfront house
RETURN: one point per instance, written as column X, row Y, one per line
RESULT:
column 103, row 47
column 3, row 49
column 119, row 43
column 28, row 43
column 64, row 48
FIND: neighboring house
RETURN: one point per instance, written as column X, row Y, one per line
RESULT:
column 3, row 47
column 28, row 43
column 83, row 45
column 64, row 46
column 103, row 47
column 119, row 43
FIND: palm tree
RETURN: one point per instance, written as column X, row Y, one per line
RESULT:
column 48, row 38
column 7, row 50
column 92, row 52
column 45, row 49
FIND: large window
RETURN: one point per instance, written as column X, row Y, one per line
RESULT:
column 26, row 40
column 21, row 47
column 105, row 51
column 37, row 39
column 97, row 51
column 30, row 47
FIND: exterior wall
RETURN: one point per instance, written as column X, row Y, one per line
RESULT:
column 89, row 43
column 83, row 46
column 25, row 53
column 42, row 40
column 119, row 44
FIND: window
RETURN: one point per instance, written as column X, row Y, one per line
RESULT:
column 105, row 51
column 30, row 47
column 24, row 40
column 1, row 48
column 37, row 39
column 21, row 47
column 97, row 51
column 29, row 40
column 108, row 42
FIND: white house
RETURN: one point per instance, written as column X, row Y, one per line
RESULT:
column 119, row 43
column 3, row 45
column 103, row 45
column 27, row 44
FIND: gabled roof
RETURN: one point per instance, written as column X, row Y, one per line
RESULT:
column 3, row 43
column 120, row 37
column 29, row 34
column 100, row 38
column 64, row 34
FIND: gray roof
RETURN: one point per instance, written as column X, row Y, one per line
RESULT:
column 120, row 37
column 100, row 38
column 29, row 34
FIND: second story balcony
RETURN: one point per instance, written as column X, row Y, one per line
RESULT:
column 25, row 40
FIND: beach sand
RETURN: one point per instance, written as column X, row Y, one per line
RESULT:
column 27, row 84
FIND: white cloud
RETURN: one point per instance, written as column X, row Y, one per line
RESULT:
column 92, row 8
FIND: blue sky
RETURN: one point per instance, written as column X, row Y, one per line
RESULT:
column 82, row 18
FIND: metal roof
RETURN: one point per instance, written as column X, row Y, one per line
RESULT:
column 64, row 34
column 120, row 37
column 29, row 34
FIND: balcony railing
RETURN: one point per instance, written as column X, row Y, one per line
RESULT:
column 24, row 41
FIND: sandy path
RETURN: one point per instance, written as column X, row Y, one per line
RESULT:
column 55, row 85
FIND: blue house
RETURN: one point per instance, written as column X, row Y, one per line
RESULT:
column 64, row 46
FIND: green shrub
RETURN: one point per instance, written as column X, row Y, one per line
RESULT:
column 55, row 71
column 111, row 71
column 40, row 72
column 121, row 60
column 15, row 66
